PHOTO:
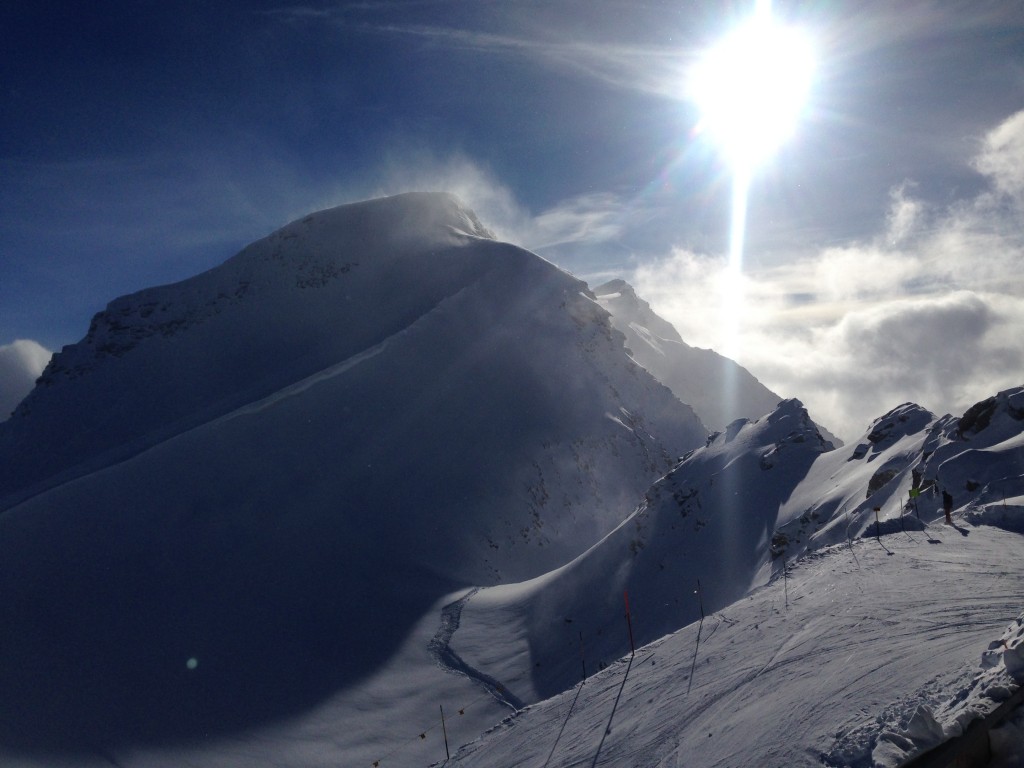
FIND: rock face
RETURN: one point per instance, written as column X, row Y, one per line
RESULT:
column 273, row 467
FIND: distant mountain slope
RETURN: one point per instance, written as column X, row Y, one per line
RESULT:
column 305, row 449
column 719, row 389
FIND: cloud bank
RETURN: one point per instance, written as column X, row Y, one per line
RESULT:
column 21, row 363
column 930, row 310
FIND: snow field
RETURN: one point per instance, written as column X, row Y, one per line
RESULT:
column 868, row 638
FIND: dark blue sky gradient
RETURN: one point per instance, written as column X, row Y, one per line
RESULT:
column 141, row 142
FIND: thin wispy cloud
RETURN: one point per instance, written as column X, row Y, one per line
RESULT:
column 654, row 69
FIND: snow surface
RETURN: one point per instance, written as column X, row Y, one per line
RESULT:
column 730, row 518
column 827, row 666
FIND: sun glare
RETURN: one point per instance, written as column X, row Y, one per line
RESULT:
column 752, row 86
column 751, row 89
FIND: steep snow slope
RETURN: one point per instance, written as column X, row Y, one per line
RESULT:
column 454, row 413
column 719, row 389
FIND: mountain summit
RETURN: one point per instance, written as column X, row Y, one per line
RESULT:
column 162, row 360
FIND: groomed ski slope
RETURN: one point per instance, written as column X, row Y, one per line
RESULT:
column 871, row 632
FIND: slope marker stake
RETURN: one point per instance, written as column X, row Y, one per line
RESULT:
column 785, row 579
column 629, row 624
column 444, row 730
column 700, row 627
column 583, row 659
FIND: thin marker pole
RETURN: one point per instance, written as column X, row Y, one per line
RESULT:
column 444, row 730
column 785, row 580
column 629, row 623
column 583, row 659
column 696, row 648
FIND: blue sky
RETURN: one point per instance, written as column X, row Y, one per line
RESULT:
column 143, row 142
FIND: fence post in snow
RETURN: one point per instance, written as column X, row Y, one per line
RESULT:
column 444, row 730
column 785, row 579
column 878, row 526
column 696, row 649
column 629, row 623
column 583, row 659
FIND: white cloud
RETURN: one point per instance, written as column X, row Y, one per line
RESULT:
column 929, row 311
column 1002, row 156
column 21, row 363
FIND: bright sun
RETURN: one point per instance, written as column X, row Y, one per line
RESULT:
column 752, row 87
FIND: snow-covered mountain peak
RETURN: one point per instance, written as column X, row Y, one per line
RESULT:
column 993, row 419
column 316, row 291
column 419, row 220
column 719, row 389
column 788, row 424
column 903, row 420
column 621, row 299
column 308, row 254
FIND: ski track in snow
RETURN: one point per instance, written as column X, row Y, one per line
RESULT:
column 440, row 648
column 301, row 386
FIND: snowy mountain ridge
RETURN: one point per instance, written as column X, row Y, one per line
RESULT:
column 719, row 389
column 287, row 530
column 452, row 411
column 736, row 527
